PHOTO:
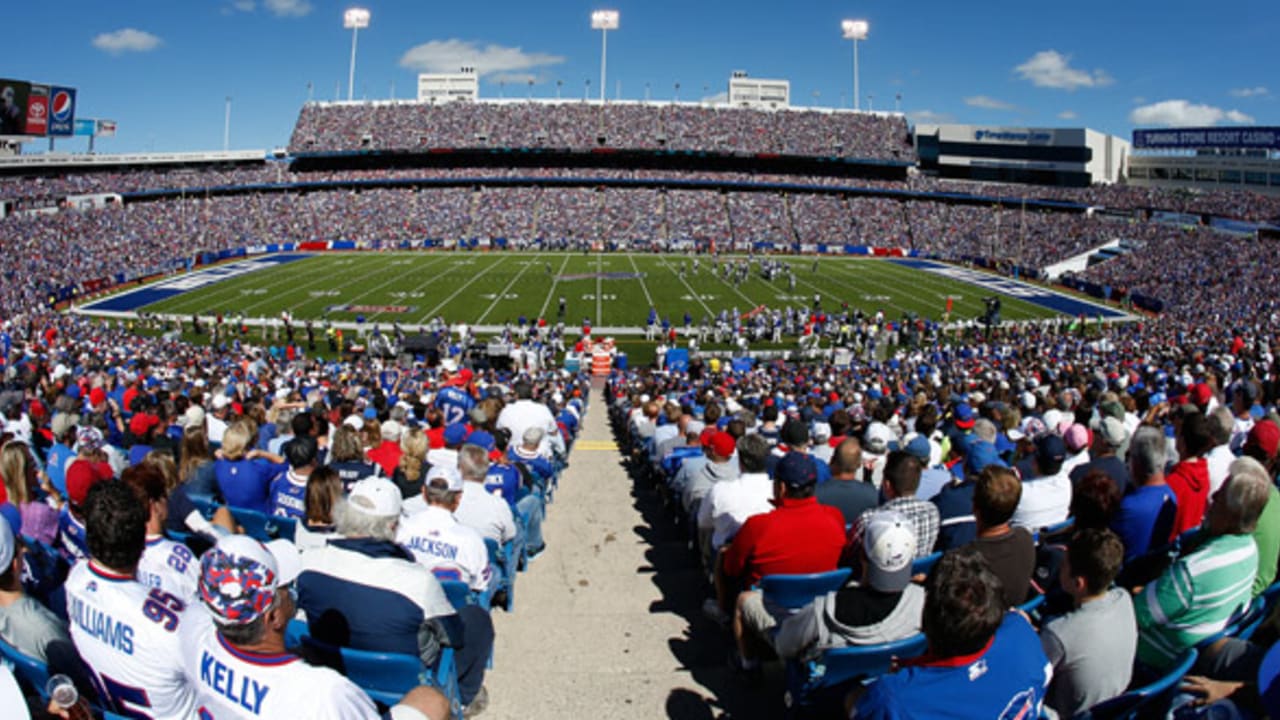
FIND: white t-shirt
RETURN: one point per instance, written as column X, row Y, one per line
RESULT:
column 731, row 502
column 1045, row 501
column 128, row 635
column 488, row 514
column 444, row 546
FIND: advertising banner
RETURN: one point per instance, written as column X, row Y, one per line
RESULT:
column 106, row 128
column 13, row 106
column 62, row 111
column 38, row 111
column 84, row 126
column 1265, row 138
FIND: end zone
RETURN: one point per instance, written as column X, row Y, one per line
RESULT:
column 134, row 300
column 1034, row 294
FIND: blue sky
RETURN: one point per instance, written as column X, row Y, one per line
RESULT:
column 162, row 68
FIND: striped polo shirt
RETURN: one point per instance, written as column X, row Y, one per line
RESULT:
column 1199, row 595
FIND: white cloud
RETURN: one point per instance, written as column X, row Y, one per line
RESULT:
column 1052, row 69
column 988, row 103
column 126, row 40
column 1258, row 91
column 439, row 56
column 287, row 8
column 1181, row 113
column 1067, row 115
column 244, row 5
column 929, row 116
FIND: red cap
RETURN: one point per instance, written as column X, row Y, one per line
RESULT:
column 1201, row 394
column 82, row 475
column 707, row 435
column 141, row 423
column 1265, row 436
column 462, row 377
column 723, row 444
column 97, row 396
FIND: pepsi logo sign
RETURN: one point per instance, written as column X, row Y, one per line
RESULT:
column 62, row 105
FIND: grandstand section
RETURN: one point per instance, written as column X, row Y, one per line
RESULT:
column 1207, row 159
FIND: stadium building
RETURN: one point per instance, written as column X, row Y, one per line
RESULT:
column 1207, row 158
column 1070, row 157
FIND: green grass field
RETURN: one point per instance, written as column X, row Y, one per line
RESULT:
column 490, row 289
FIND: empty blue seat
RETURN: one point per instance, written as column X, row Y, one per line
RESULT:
column 502, row 560
column 923, row 565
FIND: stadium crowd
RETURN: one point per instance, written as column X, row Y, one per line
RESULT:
column 1117, row 488
column 146, row 474
column 325, row 127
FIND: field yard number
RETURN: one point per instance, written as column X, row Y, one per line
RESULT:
column 592, row 296
column 415, row 295
column 323, row 293
column 505, row 296
column 254, row 291
column 699, row 297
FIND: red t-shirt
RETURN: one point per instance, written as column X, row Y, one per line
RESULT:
column 799, row 537
column 387, row 456
column 1189, row 481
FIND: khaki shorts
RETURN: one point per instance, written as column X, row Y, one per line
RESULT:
column 755, row 616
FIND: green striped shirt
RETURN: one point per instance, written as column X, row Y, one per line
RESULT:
column 1198, row 596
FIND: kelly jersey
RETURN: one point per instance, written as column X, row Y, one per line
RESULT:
column 128, row 635
column 234, row 683
column 455, row 404
column 450, row 550
column 171, row 567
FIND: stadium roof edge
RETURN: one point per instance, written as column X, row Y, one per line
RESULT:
column 70, row 160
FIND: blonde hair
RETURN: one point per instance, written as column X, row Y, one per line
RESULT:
column 414, row 446
column 236, row 440
column 13, row 466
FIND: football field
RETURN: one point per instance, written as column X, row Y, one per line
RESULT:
column 609, row 290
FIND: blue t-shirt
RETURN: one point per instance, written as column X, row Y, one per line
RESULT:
column 1145, row 519
column 504, row 480
column 455, row 404
column 288, row 499
column 1006, row 682
column 56, row 466
column 247, row 483
column 955, row 512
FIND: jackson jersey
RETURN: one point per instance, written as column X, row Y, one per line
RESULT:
column 235, row 683
column 171, row 567
column 128, row 636
column 450, row 550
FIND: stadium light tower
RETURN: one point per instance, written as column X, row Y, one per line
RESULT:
column 604, row 21
column 354, row 19
column 855, row 30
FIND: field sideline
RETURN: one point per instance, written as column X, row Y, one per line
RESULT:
column 611, row 290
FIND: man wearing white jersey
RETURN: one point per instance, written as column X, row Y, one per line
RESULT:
column 525, row 413
column 165, row 564
column 488, row 514
column 237, row 658
column 449, row 549
column 126, row 632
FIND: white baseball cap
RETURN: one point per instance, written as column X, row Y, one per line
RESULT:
column 448, row 474
column 375, row 496
column 889, row 542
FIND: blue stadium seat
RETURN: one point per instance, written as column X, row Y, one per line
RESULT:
column 264, row 528
column 1150, row 699
column 840, row 666
column 1259, row 612
column 386, row 677
column 461, row 595
column 502, row 560
column 793, row 592
column 28, row 670
column 923, row 565
column 204, row 503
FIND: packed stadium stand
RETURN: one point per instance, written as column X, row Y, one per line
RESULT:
column 904, row 458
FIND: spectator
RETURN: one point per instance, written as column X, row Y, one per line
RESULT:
column 983, row 661
column 248, row 590
column 731, row 502
column 324, row 492
column 102, row 591
column 288, row 491
column 387, row 454
column 365, row 591
column 1092, row 647
column 901, row 479
column 881, row 605
column 347, row 457
column 412, row 467
column 1145, row 520
column 1189, row 479
column 1109, row 436
column 1220, row 425
column 438, row 542
column 22, row 485
column 165, row 565
column 488, row 514
column 847, row 491
column 1009, row 552
column 1206, row 587
column 244, row 474
column 1046, row 495
column 25, row 624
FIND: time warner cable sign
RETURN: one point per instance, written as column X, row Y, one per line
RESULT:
column 1260, row 138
